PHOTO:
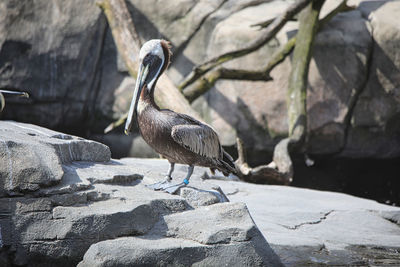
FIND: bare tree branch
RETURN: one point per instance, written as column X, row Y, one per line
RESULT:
column 10, row 92
column 267, row 35
column 297, row 90
column 263, row 174
column 207, row 81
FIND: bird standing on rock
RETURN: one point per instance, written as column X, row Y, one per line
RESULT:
column 177, row 137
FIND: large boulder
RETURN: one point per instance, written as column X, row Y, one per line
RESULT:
column 51, row 49
column 304, row 227
column 308, row 227
column 206, row 236
column 375, row 128
column 32, row 157
column 65, row 200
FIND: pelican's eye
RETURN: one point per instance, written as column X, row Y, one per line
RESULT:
column 153, row 63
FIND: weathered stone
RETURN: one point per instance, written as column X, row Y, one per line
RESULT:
column 132, row 251
column 96, row 201
column 375, row 123
column 178, row 20
column 51, row 49
column 197, row 198
column 32, row 156
column 313, row 227
column 231, row 223
column 303, row 226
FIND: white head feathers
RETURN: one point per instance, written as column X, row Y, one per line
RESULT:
column 154, row 47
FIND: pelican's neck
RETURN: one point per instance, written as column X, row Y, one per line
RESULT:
column 146, row 101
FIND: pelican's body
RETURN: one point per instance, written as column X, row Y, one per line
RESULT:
column 177, row 137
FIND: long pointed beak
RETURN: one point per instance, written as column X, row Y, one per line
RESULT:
column 141, row 77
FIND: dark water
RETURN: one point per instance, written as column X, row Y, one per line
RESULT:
column 367, row 178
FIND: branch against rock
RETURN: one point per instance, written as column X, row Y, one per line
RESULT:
column 10, row 92
column 297, row 91
column 123, row 31
column 263, row 174
column 128, row 45
column 342, row 7
column 207, row 81
column 267, row 35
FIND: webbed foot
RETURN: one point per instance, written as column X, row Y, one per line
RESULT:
column 173, row 188
column 166, row 186
column 160, row 185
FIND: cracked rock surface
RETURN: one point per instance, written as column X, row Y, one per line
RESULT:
column 89, row 209
column 304, row 227
column 309, row 227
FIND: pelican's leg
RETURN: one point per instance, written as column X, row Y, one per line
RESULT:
column 166, row 182
column 171, row 168
column 173, row 188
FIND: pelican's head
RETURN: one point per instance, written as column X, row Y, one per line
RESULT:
column 154, row 58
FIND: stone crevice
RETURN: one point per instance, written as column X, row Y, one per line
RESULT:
column 392, row 221
column 356, row 95
column 187, row 11
column 99, row 68
column 321, row 219
column 187, row 41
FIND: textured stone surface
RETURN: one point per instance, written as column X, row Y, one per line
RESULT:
column 171, row 252
column 308, row 227
column 50, row 49
column 304, row 227
column 54, row 215
column 234, row 107
column 32, row 156
column 375, row 122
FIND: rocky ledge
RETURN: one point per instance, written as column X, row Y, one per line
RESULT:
column 64, row 201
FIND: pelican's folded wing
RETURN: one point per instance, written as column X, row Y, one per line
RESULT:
column 199, row 139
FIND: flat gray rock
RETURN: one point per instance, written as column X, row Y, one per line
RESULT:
column 309, row 227
column 102, row 209
column 151, row 251
column 32, row 157
column 303, row 226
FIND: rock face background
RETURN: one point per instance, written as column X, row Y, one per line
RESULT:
column 63, row 54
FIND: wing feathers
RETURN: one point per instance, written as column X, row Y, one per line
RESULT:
column 200, row 139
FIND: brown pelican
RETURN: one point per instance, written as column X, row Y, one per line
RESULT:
column 177, row 137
